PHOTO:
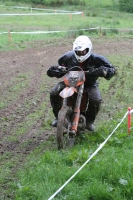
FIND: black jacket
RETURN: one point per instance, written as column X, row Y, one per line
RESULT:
column 93, row 62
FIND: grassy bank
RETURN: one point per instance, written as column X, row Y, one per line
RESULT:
column 105, row 15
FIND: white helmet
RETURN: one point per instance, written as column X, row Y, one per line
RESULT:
column 82, row 47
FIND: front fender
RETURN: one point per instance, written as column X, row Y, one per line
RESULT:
column 67, row 92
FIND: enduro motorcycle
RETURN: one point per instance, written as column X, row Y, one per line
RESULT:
column 71, row 117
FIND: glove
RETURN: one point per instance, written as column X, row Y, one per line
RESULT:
column 54, row 67
column 56, row 71
column 59, row 68
column 101, row 71
column 63, row 69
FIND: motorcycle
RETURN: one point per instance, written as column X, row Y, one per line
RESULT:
column 71, row 118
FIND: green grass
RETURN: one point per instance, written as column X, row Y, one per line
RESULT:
column 104, row 14
column 108, row 176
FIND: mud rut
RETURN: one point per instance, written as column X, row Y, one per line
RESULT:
column 33, row 63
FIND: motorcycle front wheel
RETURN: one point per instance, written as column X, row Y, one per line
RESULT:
column 64, row 121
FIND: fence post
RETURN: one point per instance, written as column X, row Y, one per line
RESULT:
column 129, row 119
column 100, row 31
column 9, row 37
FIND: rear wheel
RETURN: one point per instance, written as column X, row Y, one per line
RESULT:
column 64, row 122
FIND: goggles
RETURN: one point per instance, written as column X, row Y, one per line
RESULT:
column 81, row 53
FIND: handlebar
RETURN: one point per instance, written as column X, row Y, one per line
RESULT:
column 70, row 69
column 100, row 71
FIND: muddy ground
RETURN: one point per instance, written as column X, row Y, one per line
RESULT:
column 18, row 101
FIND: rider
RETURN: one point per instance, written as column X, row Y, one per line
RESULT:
column 96, row 65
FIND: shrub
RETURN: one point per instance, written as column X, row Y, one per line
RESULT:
column 126, row 5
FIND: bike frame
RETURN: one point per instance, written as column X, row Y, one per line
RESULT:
column 76, row 113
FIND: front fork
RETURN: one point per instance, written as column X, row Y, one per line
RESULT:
column 76, row 114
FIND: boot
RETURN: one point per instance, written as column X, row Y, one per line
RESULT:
column 92, row 112
column 54, row 123
column 56, row 103
column 90, row 125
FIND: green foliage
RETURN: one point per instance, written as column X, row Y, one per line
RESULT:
column 126, row 5
column 110, row 32
column 54, row 2
column 105, row 3
column 108, row 176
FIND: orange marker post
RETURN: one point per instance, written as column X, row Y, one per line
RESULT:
column 100, row 31
column 82, row 14
column 9, row 36
column 129, row 119
column 70, row 16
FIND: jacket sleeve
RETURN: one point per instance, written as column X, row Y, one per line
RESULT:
column 53, row 71
column 110, row 72
column 102, row 62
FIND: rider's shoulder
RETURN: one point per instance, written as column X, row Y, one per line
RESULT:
column 95, row 56
column 67, row 54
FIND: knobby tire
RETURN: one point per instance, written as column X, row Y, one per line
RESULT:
column 64, row 118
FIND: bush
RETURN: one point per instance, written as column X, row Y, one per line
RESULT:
column 54, row 2
column 126, row 5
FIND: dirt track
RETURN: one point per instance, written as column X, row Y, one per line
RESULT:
column 34, row 63
column 29, row 67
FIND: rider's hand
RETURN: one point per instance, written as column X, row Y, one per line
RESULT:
column 56, row 71
column 62, row 68
column 58, row 68
column 54, row 67
column 101, row 71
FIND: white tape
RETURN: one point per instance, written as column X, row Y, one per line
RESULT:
column 97, row 150
column 20, row 7
column 122, row 29
column 40, row 14
column 47, row 32
column 59, row 12
column 131, row 111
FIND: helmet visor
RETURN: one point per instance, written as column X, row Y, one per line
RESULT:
column 81, row 53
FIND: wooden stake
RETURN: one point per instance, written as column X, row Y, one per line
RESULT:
column 9, row 37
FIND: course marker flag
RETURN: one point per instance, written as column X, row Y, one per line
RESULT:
column 130, row 110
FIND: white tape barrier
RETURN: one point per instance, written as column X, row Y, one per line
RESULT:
column 47, row 32
column 40, row 14
column 41, row 9
column 131, row 111
column 63, row 11
column 97, row 150
column 54, row 12
column 122, row 29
